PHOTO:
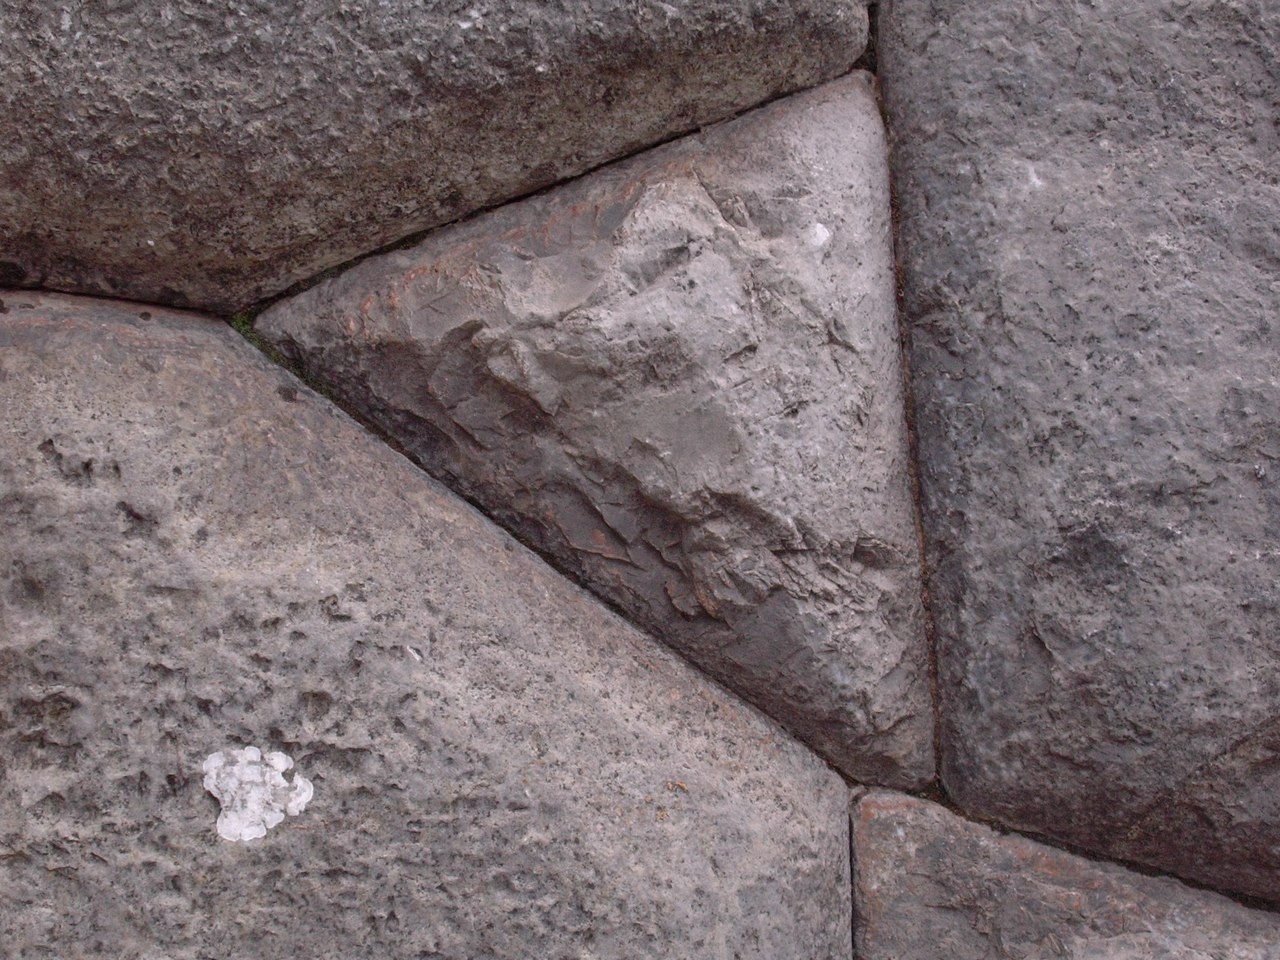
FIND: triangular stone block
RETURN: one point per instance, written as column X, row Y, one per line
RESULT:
column 680, row 376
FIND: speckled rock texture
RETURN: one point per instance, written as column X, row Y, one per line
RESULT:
column 931, row 885
column 213, row 154
column 1090, row 221
column 197, row 553
column 680, row 376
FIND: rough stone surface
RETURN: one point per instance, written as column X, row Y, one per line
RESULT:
column 929, row 884
column 681, row 377
column 214, row 154
column 195, row 552
column 1091, row 228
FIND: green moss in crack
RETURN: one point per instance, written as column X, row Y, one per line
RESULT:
column 242, row 323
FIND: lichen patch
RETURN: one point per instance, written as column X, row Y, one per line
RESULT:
column 253, row 792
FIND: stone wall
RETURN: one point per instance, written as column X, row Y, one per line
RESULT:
column 835, row 517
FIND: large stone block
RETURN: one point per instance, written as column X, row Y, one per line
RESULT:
column 930, row 885
column 1091, row 233
column 213, row 154
column 680, row 376
column 198, row 553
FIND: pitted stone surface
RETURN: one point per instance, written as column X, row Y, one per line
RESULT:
column 929, row 884
column 680, row 376
column 214, row 154
column 196, row 550
column 1091, row 232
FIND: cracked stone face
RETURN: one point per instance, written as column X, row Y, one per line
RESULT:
column 681, row 378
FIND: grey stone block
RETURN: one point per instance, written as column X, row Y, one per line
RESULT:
column 680, row 376
column 1091, row 234
column 929, row 884
column 198, row 553
column 213, row 154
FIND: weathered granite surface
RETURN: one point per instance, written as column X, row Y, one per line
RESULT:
column 196, row 553
column 680, row 376
column 1090, row 221
column 929, row 884
column 214, row 154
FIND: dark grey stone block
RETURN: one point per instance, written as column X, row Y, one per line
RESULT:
column 213, row 154
column 1091, row 236
column 197, row 553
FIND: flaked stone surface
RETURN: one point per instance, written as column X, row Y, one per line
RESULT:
column 197, row 552
column 214, row 154
column 1091, row 233
column 680, row 377
column 929, row 884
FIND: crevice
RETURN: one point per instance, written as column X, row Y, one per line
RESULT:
column 917, row 499
column 869, row 61
column 853, row 881
column 243, row 324
column 418, row 236
column 909, row 413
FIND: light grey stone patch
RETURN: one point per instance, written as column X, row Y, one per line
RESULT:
column 195, row 550
column 930, row 884
column 680, row 376
column 1089, row 215
column 253, row 792
column 212, row 155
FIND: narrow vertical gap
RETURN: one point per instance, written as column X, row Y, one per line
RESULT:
column 853, row 885
column 870, row 61
column 913, row 476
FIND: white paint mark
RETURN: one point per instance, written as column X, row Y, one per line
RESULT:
column 1036, row 182
column 253, row 793
column 819, row 235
